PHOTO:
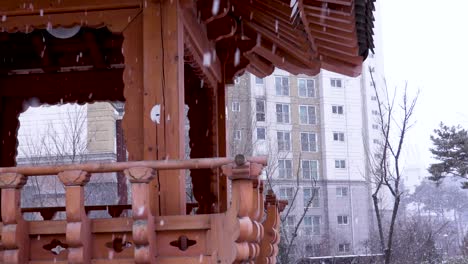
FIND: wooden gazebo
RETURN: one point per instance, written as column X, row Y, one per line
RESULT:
column 158, row 56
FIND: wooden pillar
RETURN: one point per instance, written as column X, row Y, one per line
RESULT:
column 144, row 233
column 121, row 156
column 10, row 111
column 78, row 230
column 222, row 145
column 15, row 233
column 153, row 77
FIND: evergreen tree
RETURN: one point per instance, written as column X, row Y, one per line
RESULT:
column 451, row 150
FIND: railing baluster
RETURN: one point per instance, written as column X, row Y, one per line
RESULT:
column 15, row 233
column 144, row 234
column 78, row 231
column 245, row 196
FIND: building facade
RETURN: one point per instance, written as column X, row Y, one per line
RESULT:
column 315, row 131
column 64, row 134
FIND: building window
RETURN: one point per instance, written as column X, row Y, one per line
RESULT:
column 373, row 98
column 337, row 109
column 237, row 135
column 309, row 142
column 340, row 164
column 282, row 113
column 314, row 250
column 258, row 81
column 286, row 193
column 375, row 112
column 343, row 248
column 260, row 110
column 235, row 106
column 290, row 223
column 282, row 85
column 261, row 133
column 341, row 191
column 374, row 126
column 307, row 114
column 284, row 140
column 312, row 225
column 338, row 136
column 285, row 168
column 309, row 169
column 376, row 141
column 337, row 83
column 314, row 194
column 306, row 87
column 342, row 219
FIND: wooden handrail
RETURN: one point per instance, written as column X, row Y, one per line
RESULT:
column 204, row 163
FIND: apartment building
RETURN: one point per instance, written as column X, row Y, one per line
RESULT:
column 314, row 130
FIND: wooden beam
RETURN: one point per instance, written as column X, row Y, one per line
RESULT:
column 350, row 51
column 200, row 46
column 302, row 53
column 208, row 13
column 345, row 27
column 351, row 59
column 47, row 7
column 116, row 20
column 260, row 65
column 63, row 83
column 338, row 66
column 221, row 28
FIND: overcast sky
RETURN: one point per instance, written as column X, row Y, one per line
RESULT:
column 425, row 42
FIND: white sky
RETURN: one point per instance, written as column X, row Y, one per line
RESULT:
column 425, row 42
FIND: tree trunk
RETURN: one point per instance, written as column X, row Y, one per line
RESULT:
column 388, row 250
column 379, row 221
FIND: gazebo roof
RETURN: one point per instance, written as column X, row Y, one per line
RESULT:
column 222, row 38
column 298, row 36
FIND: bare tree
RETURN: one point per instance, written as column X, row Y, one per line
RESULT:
column 290, row 234
column 64, row 139
column 248, row 125
column 386, row 169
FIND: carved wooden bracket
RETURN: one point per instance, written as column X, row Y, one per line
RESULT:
column 140, row 174
column 74, row 177
column 12, row 180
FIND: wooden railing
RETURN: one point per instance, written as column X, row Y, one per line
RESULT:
column 241, row 234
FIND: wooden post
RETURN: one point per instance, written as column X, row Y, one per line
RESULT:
column 78, row 230
column 15, row 231
column 144, row 233
column 154, row 76
column 245, row 198
column 172, row 182
column 269, row 244
column 222, row 145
